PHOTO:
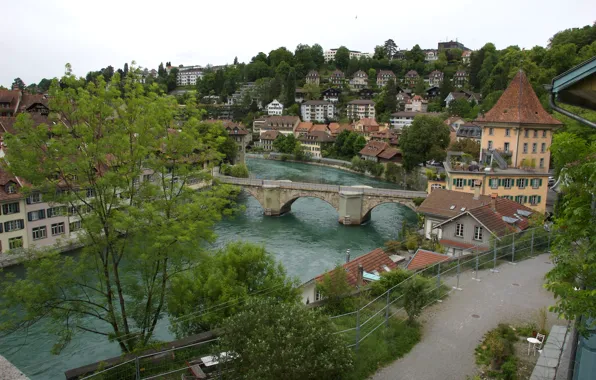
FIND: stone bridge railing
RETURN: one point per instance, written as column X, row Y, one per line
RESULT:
column 392, row 193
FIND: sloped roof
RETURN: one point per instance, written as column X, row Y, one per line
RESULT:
column 319, row 128
column 373, row 148
column 493, row 219
column 412, row 73
column 389, row 153
column 386, row 72
column 304, row 126
column 519, row 104
column 375, row 260
column 423, row 258
column 30, row 99
column 440, row 201
column 368, row 122
column 362, row 102
column 269, row 135
column 5, row 178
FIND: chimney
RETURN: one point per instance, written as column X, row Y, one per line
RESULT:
column 493, row 201
column 348, row 255
column 477, row 184
column 360, row 275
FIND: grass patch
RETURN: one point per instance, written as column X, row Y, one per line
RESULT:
column 383, row 347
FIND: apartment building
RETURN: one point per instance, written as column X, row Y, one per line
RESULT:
column 337, row 77
column 360, row 109
column 188, row 76
column 460, row 78
column 275, row 108
column 317, row 110
column 330, row 54
column 411, row 78
column 13, row 232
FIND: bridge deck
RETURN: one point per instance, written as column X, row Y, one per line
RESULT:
column 321, row 187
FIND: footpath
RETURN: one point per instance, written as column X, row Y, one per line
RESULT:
column 452, row 329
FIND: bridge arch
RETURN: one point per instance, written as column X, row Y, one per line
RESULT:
column 288, row 200
column 369, row 204
column 256, row 193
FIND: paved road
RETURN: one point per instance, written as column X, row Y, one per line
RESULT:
column 450, row 333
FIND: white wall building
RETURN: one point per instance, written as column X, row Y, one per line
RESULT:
column 402, row 119
column 317, row 110
column 330, row 54
column 188, row 76
column 275, row 108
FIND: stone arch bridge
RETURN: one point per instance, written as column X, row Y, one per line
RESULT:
column 354, row 204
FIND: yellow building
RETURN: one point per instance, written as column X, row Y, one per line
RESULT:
column 13, row 232
column 514, row 157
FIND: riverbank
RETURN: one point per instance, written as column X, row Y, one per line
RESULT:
column 15, row 258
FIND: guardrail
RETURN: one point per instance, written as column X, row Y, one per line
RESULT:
column 321, row 187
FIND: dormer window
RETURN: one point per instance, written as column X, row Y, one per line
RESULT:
column 10, row 188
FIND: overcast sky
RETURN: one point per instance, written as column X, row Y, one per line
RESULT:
column 40, row 36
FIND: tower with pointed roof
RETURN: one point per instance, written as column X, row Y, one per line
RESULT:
column 514, row 157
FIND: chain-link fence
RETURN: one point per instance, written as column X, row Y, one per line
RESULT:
column 441, row 278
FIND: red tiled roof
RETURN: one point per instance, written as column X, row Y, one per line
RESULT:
column 456, row 244
column 375, row 260
column 319, row 128
column 31, row 99
column 423, row 258
column 389, row 153
column 493, row 219
column 368, row 122
column 304, row 126
column 440, row 201
column 519, row 104
column 5, row 178
column 269, row 135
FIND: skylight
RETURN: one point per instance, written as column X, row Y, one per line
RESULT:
column 462, row 209
column 386, row 268
column 452, row 207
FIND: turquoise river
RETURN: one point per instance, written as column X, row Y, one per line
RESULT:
column 307, row 241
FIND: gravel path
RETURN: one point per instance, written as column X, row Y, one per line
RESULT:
column 10, row 372
column 452, row 329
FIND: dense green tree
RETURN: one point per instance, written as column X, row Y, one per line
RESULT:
column 290, row 88
column 390, row 97
column 44, row 84
column 380, row 53
column 420, row 87
column 313, row 91
column 578, row 36
column 304, row 61
column 416, row 55
column 318, row 57
column 235, row 60
column 134, row 242
column 280, row 55
column 459, row 107
column 283, row 69
column 468, row 146
column 228, row 276
column 286, row 144
column 274, row 340
column 372, row 78
column 161, row 71
column 390, row 48
column 18, row 83
column 342, row 58
column 261, row 57
column 416, row 295
column 125, row 71
column 426, row 139
column 445, row 88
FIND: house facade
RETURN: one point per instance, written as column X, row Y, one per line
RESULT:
column 402, row 119
column 460, row 78
column 359, row 80
column 337, row 77
column 331, row 95
column 466, row 56
column 317, row 110
column 314, row 142
column 416, row 104
column 13, row 216
column 383, row 77
column 188, row 76
column 10, row 101
column 283, row 124
column 360, row 109
column 431, row 55
column 313, row 77
column 411, row 78
column 380, row 152
column 435, row 78
column 267, row 138
column 275, row 108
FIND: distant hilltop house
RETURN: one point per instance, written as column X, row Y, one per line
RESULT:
column 337, row 77
column 360, row 272
column 431, row 55
column 275, row 108
column 384, row 76
column 465, row 94
column 313, row 77
column 451, row 45
column 466, row 56
column 330, row 54
column 435, row 78
column 331, row 94
column 359, row 80
column 411, row 78
column 416, row 104
column 460, row 78
column 13, row 102
column 188, row 76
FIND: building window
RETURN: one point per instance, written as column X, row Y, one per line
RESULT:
column 459, row 230
column 75, row 226
column 90, row 193
column 478, row 233
column 40, row 233
column 14, row 225
column 525, row 147
column 507, row 147
column 526, row 132
column 542, row 147
column 491, row 131
column 536, row 183
column 535, row 133
column 534, row 146
column 544, row 133
column 34, row 198
column 490, row 145
column 15, row 242
column 542, row 163
column 11, row 188
column 318, row 295
column 10, row 208
column 56, row 211
column 494, row 183
column 534, row 199
column 522, row 183
column 459, row 183
column 508, row 183
column 508, row 132
column 36, row 215
column 57, row 228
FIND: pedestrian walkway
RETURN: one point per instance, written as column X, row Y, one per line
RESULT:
column 452, row 329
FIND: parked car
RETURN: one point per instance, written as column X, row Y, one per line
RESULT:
column 551, row 181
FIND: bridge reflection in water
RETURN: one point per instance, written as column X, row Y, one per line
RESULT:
column 353, row 203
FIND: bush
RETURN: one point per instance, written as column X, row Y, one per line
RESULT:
column 497, row 349
column 358, row 165
column 389, row 280
column 392, row 245
column 285, row 157
column 239, row 171
column 412, row 242
column 418, row 201
column 416, row 296
column 336, row 290
column 224, row 169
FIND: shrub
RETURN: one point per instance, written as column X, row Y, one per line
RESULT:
column 412, row 242
column 389, row 280
column 392, row 245
column 285, row 157
column 418, row 201
column 335, row 290
column 497, row 348
column 239, row 171
column 224, row 169
column 416, row 296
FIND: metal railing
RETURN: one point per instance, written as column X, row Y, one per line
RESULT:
column 445, row 277
column 321, row 187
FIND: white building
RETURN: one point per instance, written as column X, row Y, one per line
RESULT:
column 399, row 120
column 330, row 54
column 360, row 109
column 317, row 110
column 275, row 108
column 188, row 76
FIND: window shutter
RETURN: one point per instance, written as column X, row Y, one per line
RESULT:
column 525, row 199
column 1, row 229
column 29, row 218
column 540, row 182
column 500, row 182
column 28, row 200
column 526, row 181
column 5, row 226
column 42, row 214
column 21, row 223
column 454, row 181
column 4, row 209
column 18, row 207
column 539, row 198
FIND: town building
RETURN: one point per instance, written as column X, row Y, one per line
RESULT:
column 465, row 94
column 383, row 77
column 359, row 272
column 13, row 234
column 435, row 78
column 451, row 45
column 9, row 102
column 300, row 95
column 366, row 93
column 317, row 110
column 455, row 121
column 514, row 157
column 275, row 108
column 402, row 119
column 460, row 78
column 330, row 54
column 331, row 95
column 432, row 92
column 411, row 78
column 239, row 133
column 267, row 138
column 416, row 104
column 366, row 126
column 303, row 128
column 466, row 56
column 380, row 152
column 473, row 229
column 283, row 124
column 337, row 77
column 313, row 77
column 315, row 141
column 188, row 76
column 360, row 109
column 257, row 124
column 387, row 135
column 424, row 258
column 359, row 80
column 469, row 131
column 336, row 128
column 431, row 55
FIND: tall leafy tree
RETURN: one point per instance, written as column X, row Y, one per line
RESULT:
column 426, row 139
column 280, row 55
column 44, row 84
column 390, row 96
column 390, row 48
column 318, row 57
column 274, row 340
column 342, row 58
column 235, row 60
column 125, row 71
column 415, row 54
column 445, row 89
column 379, row 53
column 372, row 77
column 18, row 83
column 290, row 88
column 137, row 235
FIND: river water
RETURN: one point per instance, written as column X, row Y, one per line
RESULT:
column 307, row 241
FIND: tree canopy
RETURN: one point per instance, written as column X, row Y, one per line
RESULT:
column 426, row 139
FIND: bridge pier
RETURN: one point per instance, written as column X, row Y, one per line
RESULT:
column 271, row 201
column 350, row 208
